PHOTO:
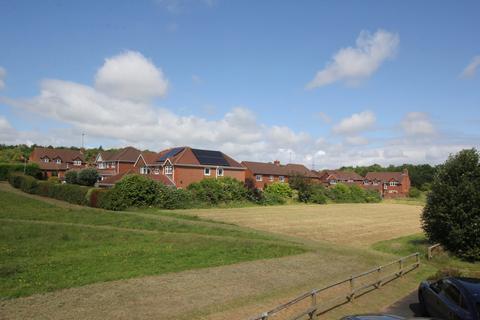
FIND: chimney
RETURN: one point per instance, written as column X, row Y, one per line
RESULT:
column 276, row 162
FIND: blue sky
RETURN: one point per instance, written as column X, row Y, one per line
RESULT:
column 235, row 75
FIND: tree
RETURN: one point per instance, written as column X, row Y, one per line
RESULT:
column 71, row 176
column 452, row 213
column 303, row 185
column 87, row 177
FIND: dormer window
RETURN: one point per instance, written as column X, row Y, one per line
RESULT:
column 46, row 160
column 58, row 161
column 77, row 162
column 168, row 170
column 393, row 183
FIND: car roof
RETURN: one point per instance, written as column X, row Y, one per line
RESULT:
column 470, row 285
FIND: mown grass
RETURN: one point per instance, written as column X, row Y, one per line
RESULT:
column 39, row 253
column 418, row 243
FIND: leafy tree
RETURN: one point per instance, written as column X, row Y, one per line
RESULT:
column 452, row 213
column 279, row 189
column 87, row 177
column 414, row 193
column 134, row 191
column 303, row 185
column 71, row 177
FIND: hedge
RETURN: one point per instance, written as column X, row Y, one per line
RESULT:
column 70, row 193
column 30, row 169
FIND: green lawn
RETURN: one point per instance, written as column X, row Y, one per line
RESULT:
column 44, row 247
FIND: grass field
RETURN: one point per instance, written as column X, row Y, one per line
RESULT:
column 192, row 264
column 346, row 224
column 45, row 247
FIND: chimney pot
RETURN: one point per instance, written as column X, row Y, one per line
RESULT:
column 276, row 162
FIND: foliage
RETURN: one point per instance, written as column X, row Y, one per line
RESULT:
column 342, row 193
column 253, row 194
column 303, row 185
column 277, row 193
column 171, row 198
column 133, row 191
column 87, row 177
column 66, row 192
column 53, row 179
column 414, row 193
column 220, row 190
column 30, row 169
column 318, row 195
column 452, row 214
column 71, row 176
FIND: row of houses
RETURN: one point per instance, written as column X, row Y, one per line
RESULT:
column 180, row 166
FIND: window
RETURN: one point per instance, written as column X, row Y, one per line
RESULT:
column 219, row 172
column 333, row 181
column 258, row 177
column 350, row 180
column 270, row 178
column 385, row 186
column 101, row 165
column 206, row 171
column 144, row 170
column 46, row 159
column 365, row 182
column 77, row 162
column 58, row 161
column 453, row 294
column 281, row 179
column 156, row 171
column 168, row 170
column 375, row 183
column 393, row 183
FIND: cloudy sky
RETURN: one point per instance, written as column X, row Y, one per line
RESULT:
column 328, row 83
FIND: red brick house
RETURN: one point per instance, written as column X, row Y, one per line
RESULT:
column 389, row 184
column 111, row 163
column 181, row 166
column 264, row 173
column 55, row 162
column 332, row 177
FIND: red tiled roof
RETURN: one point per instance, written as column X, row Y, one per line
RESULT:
column 150, row 157
column 385, row 176
column 267, row 168
column 342, row 175
column 300, row 169
column 128, row 154
column 66, row 155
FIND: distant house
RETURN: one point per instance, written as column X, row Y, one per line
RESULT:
column 264, row 173
column 181, row 166
column 54, row 162
column 389, row 184
column 111, row 163
column 332, row 177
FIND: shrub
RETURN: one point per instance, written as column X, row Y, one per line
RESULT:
column 414, row 193
column 171, row 198
column 134, row 191
column 253, row 193
column 71, row 176
column 109, row 199
column 372, row 196
column 53, row 179
column 318, row 195
column 87, row 177
column 452, row 214
column 277, row 192
column 30, row 169
column 303, row 185
column 221, row 190
column 342, row 193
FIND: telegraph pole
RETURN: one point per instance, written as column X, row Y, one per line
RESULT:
column 83, row 140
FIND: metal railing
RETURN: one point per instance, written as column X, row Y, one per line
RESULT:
column 355, row 287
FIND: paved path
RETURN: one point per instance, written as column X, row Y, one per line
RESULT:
column 407, row 307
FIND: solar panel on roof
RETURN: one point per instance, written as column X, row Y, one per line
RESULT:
column 171, row 153
column 209, row 157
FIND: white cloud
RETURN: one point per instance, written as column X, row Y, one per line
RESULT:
column 356, row 140
column 417, row 124
column 357, row 122
column 471, row 69
column 131, row 76
column 324, row 117
column 354, row 64
column 3, row 74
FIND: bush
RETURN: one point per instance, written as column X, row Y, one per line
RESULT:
column 109, row 199
column 303, row 185
column 87, row 177
column 70, row 193
column 253, row 193
column 30, row 170
column 221, row 190
column 54, row 180
column 133, row 191
column 342, row 193
column 277, row 193
column 318, row 194
column 171, row 198
column 414, row 193
column 452, row 213
column 71, row 177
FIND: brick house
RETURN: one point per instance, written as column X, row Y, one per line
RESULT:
column 389, row 184
column 111, row 163
column 55, row 162
column 181, row 166
column 264, row 173
column 332, row 177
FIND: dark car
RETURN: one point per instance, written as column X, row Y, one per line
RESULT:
column 451, row 298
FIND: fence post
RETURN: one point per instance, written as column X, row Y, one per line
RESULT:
column 352, row 289
column 313, row 304
column 401, row 267
column 417, row 258
column 265, row 316
column 379, row 275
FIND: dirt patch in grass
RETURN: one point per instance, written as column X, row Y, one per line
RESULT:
column 348, row 224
